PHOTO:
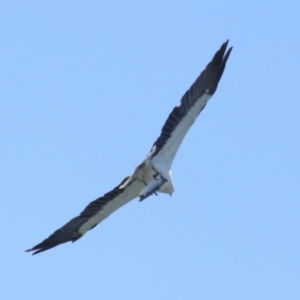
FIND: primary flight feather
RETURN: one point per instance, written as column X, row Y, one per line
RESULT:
column 154, row 173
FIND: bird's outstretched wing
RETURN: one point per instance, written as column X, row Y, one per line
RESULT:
column 191, row 104
column 91, row 216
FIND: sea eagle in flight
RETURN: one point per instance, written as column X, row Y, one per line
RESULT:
column 154, row 173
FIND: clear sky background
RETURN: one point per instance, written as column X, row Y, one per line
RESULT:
column 85, row 89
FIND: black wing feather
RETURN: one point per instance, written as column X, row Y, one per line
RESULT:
column 207, row 82
column 69, row 232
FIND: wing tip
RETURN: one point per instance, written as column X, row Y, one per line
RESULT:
column 225, row 57
column 40, row 248
column 216, row 66
column 36, row 251
column 223, row 53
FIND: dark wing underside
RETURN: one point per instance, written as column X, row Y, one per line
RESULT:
column 91, row 216
column 201, row 90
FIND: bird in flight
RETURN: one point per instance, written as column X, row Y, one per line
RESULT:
column 154, row 173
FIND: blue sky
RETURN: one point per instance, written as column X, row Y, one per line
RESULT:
column 85, row 89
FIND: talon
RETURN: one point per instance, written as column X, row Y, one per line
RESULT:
column 155, row 171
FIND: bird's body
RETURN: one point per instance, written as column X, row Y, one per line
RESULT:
column 151, row 172
column 154, row 173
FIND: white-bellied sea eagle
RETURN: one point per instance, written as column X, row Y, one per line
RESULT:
column 154, row 173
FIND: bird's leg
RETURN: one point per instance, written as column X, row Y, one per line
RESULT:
column 156, row 172
column 141, row 179
column 152, row 187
